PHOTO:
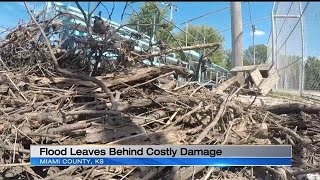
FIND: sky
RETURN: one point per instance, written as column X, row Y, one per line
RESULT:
column 11, row 11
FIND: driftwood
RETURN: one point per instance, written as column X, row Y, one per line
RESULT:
column 141, row 103
column 199, row 46
column 49, row 95
column 122, row 79
column 294, row 108
column 69, row 127
column 263, row 76
column 146, row 115
column 227, row 84
column 140, row 75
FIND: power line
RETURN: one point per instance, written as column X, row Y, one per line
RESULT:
column 176, row 26
column 247, row 23
column 225, row 25
column 206, row 14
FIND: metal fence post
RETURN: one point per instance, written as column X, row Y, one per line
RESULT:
column 273, row 49
column 199, row 74
column 301, row 87
column 217, row 77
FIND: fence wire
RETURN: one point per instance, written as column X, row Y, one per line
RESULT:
column 294, row 47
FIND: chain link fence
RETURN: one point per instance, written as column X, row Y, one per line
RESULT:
column 294, row 47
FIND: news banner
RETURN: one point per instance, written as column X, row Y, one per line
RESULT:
column 161, row 155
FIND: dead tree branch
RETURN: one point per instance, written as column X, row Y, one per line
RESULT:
column 70, row 74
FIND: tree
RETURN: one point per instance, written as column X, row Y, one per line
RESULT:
column 261, row 54
column 149, row 13
column 142, row 21
column 200, row 35
column 312, row 74
column 228, row 59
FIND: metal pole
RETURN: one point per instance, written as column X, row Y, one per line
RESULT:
column 286, row 16
column 274, row 49
column 254, row 48
column 236, row 34
column 200, row 74
column 171, row 11
column 301, row 87
column 217, row 77
column 272, row 37
column 285, row 71
column 154, row 27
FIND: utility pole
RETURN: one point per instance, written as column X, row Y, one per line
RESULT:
column 171, row 7
column 171, row 13
column 253, row 46
column 236, row 34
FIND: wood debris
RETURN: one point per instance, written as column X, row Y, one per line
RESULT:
column 42, row 104
column 263, row 76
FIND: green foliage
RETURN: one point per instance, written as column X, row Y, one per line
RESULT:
column 312, row 74
column 246, row 62
column 149, row 13
column 261, row 54
column 196, row 34
column 200, row 35
column 228, row 59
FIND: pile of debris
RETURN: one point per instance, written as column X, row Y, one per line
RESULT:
column 135, row 106
column 152, row 109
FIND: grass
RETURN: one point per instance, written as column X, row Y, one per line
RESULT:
column 296, row 97
column 288, row 96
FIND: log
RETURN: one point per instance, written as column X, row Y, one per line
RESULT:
column 169, row 136
column 261, row 67
column 143, row 103
column 228, row 83
column 92, row 112
column 119, row 80
column 199, row 46
column 3, row 146
column 69, row 127
column 296, row 136
column 293, row 108
column 152, row 117
column 140, row 75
